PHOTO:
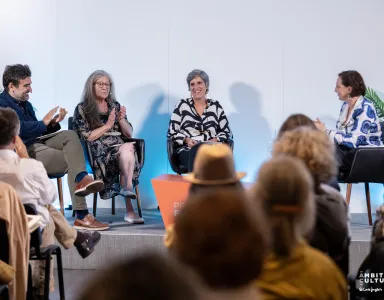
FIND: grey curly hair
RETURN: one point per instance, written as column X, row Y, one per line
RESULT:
column 198, row 73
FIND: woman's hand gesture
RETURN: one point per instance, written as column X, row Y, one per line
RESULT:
column 111, row 119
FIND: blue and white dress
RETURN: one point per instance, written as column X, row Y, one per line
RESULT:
column 360, row 129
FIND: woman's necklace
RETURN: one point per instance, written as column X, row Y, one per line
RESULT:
column 350, row 110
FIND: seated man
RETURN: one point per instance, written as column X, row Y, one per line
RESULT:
column 61, row 153
column 32, row 185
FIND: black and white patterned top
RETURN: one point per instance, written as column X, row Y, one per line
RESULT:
column 186, row 122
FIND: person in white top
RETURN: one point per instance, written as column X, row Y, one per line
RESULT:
column 30, row 180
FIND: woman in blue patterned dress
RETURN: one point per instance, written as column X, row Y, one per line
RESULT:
column 358, row 124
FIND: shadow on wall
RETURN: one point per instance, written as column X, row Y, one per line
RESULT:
column 153, row 129
column 251, row 131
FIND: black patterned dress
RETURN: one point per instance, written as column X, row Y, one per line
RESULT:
column 105, row 157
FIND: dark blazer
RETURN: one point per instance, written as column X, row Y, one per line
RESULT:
column 30, row 127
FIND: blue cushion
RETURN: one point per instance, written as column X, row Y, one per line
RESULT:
column 88, row 167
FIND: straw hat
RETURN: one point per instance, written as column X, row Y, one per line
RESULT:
column 214, row 165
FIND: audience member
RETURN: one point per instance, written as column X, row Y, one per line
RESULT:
column 17, row 252
column 197, row 119
column 358, row 124
column 60, row 153
column 293, row 270
column 374, row 262
column 223, row 239
column 295, row 121
column 299, row 120
column 148, row 276
column 213, row 169
column 331, row 233
column 33, row 186
column 102, row 121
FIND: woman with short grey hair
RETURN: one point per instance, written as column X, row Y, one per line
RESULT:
column 197, row 119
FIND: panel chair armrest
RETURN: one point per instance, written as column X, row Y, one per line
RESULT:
column 230, row 143
column 367, row 166
column 140, row 150
column 70, row 123
column 172, row 158
column 170, row 148
column 89, row 153
column 4, row 294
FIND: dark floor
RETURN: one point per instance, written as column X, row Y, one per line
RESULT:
column 75, row 282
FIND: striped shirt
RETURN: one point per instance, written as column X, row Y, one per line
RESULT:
column 186, row 122
column 360, row 129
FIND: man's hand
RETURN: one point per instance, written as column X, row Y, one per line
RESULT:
column 190, row 143
column 60, row 116
column 122, row 112
column 20, row 148
column 48, row 117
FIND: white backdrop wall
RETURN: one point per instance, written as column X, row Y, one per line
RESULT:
column 266, row 60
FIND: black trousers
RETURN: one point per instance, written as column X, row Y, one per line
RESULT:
column 187, row 157
column 345, row 156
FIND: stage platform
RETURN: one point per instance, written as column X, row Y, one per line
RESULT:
column 124, row 239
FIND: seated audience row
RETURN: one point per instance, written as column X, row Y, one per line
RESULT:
column 32, row 185
column 300, row 209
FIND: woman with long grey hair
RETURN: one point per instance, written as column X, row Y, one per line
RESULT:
column 102, row 121
column 197, row 119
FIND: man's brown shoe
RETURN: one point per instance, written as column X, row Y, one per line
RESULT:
column 88, row 186
column 89, row 223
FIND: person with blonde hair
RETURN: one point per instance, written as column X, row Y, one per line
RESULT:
column 296, row 121
column 293, row 269
column 316, row 150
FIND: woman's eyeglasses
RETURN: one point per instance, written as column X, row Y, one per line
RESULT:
column 102, row 84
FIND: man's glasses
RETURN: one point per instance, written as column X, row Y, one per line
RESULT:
column 102, row 84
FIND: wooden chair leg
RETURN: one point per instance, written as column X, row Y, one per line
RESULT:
column 61, row 200
column 113, row 205
column 368, row 198
column 349, row 190
column 94, row 204
column 138, row 201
